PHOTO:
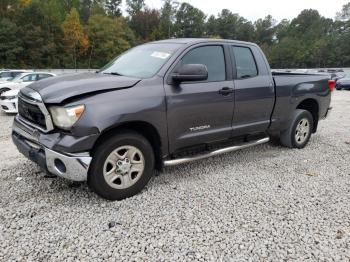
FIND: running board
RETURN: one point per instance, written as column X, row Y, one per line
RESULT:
column 220, row 151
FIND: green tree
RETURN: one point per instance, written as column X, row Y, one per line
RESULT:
column 113, row 7
column 265, row 30
column 37, row 31
column 281, row 30
column 10, row 44
column 8, row 8
column 108, row 38
column 190, row 21
column 146, row 25
column 167, row 18
column 212, row 27
column 230, row 26
column 134, row 6
column 344, row 14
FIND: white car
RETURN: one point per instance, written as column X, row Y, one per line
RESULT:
column 9, row 101
column 8, row 75
column 22, row 80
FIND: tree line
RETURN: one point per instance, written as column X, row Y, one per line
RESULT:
column 89, row 33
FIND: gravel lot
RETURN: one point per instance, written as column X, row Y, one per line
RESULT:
column 259, row 204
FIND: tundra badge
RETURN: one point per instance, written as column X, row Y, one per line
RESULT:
column 197, row 128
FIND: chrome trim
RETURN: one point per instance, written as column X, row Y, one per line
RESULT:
column 43, row 109
column 220, row 151
column 76, row 166
column 24, row 130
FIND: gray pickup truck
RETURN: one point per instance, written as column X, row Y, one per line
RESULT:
column 161, row 104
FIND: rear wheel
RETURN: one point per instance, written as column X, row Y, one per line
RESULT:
column 121, row 167
column 299, row 132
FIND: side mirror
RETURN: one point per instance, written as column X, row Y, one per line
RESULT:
column 190, row 72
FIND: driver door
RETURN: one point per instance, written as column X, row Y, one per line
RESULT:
column 201, row 112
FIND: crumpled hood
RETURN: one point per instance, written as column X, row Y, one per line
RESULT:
column 57, row 89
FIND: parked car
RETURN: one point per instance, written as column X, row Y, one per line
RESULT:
column 23, row 80
column 9, row 100
column 7, row 75
column 343, row 83
column 338, row 75
column 161, row 104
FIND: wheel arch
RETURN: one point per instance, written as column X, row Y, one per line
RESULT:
column 141, row 127
column 312, row 106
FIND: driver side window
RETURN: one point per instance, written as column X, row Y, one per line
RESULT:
column 210, row 56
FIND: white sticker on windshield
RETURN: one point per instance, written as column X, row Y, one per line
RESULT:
column 161, row 55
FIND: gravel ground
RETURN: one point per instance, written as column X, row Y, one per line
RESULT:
column 265, row 203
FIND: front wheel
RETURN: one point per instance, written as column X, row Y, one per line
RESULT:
column 299, row 132
column 121, row 166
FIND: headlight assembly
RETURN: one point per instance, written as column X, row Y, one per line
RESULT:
column 66, row 117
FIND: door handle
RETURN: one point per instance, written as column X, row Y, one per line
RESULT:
column 225, row 91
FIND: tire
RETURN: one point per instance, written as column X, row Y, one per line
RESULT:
column 299, row 132
column 4, row 89
column 131, row 157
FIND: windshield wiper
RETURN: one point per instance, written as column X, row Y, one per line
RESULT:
column 113, row 73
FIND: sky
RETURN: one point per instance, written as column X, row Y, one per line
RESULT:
column 255, row 9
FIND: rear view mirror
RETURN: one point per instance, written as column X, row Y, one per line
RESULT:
column 190, row 72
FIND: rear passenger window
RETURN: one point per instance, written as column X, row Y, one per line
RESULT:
column 245, row 62
column 212, row 57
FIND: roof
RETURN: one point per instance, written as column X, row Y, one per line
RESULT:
column 37, row 72
column 199, row 40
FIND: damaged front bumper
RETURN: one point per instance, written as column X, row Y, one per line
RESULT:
column 67, row 165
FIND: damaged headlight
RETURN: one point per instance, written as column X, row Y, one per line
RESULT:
column 66, row 117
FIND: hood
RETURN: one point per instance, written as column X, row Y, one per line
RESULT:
column 6, row 83
column 13, row 92
column 57, row 89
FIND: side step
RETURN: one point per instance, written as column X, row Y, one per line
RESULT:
column 220, row 151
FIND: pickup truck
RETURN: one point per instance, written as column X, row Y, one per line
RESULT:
column 161, row 104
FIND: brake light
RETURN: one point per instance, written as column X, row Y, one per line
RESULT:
column 331, row 85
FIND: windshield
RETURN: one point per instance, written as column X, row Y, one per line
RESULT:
column 142, row 62
column 17, row 77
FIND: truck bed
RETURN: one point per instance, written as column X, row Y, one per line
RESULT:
column 293, row 88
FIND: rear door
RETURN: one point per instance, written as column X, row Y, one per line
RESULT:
column 254, row 90
column 198, row 112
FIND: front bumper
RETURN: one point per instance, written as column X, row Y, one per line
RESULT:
column 70, row 166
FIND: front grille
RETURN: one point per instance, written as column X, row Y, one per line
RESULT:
column 32, row 113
